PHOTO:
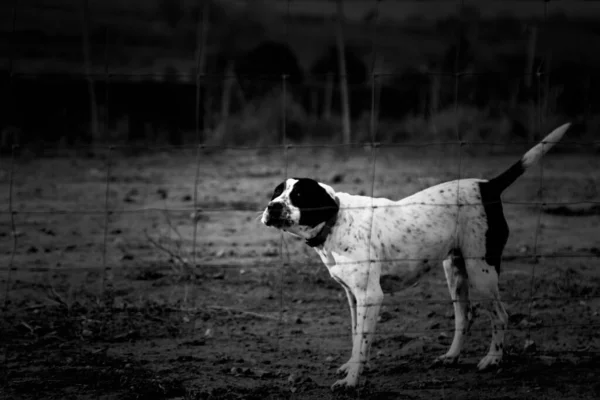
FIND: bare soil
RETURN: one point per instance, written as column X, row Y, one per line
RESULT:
column 118, row 290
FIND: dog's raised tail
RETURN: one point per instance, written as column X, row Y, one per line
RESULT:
column 506, row 178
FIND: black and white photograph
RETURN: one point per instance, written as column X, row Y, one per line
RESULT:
column 299, row 199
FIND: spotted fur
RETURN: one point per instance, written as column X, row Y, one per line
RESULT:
column 366, row 240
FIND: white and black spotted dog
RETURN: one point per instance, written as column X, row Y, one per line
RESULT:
column 363, row 239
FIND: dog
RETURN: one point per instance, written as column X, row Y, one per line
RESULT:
column 363, row 240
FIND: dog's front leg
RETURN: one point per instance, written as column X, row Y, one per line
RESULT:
column 352, row 304
column 368, row 304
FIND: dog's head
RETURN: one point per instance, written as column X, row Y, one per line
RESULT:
column 300, row 205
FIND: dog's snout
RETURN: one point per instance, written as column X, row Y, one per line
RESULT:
column 276, row 215
column 275, row 209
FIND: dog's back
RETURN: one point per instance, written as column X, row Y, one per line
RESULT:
column 415, row 232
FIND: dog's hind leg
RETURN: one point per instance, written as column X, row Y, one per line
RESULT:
column 458, row 285
column 484, row 279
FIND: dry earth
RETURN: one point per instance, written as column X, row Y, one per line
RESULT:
column 242, row 312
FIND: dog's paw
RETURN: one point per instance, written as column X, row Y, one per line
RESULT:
column 446, row 359
column 344, row 367
column 489, row 361
column 349, row 382
column 349, row 364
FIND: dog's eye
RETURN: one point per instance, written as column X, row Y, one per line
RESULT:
column 277, row 192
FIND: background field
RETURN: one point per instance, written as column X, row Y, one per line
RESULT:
column 179, row 72
column 258, row 316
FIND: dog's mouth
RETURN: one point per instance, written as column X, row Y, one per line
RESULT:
column 277, row 221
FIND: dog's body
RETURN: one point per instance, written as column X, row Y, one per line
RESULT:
column 363, row 239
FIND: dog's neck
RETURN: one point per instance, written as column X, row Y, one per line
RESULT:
column 321, row 236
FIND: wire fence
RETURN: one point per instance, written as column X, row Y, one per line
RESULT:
column 12, row 267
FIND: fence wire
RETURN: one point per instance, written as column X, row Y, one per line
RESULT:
column 286, row 264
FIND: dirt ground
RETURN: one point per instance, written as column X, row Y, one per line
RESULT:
column 243, row 312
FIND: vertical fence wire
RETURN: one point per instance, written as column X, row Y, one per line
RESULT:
column 201, row 40
column 538, row 224
column 282, row 242
column 11, row 178
column 107, row 282
column 11, row 266
column 374, row 75
column 107, row 287
column 199, row 151
column 457, row 74
column 106, row 82
column 285, row 148
column 373, row 147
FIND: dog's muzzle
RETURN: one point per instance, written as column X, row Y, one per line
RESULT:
column 276, row 216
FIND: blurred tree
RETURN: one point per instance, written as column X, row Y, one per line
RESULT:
column 344, row 94
column 228, row 81
column 460, row 56
column 328, row 63
column 233, row 32
column 406, row 93
column 504, row 27
column 557, row 17
column 325, row 71
column 469, row 14
column 172, row 11
column 85, row 35
column 202, row 19
column 170, row 74
column 529, row 74
column 261, row 69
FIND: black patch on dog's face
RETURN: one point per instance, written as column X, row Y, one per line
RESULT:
column 278, row 190
column 315, row 204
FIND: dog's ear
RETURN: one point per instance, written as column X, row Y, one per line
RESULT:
column 315, row 200
column 328, row 189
